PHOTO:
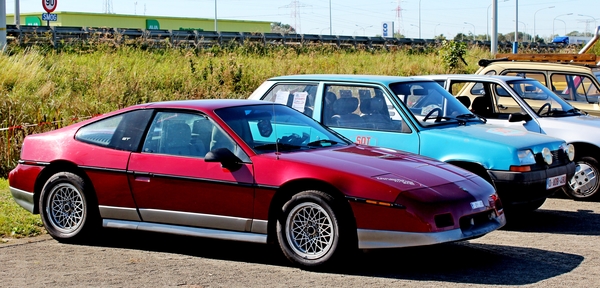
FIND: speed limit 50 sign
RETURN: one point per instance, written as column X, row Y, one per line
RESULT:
column 49, row 5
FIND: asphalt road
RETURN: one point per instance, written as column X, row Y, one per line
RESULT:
column 558, row 246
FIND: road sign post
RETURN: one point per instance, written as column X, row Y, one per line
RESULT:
column 49, row 6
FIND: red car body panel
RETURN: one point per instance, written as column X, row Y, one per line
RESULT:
column 387, row 190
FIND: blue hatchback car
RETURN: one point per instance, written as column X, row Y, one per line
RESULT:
column 419, row 116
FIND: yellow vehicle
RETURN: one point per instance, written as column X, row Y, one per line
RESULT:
column 573, row 77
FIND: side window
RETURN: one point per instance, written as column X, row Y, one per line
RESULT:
column 176, row 133
column 586, row 89
column 535, row 75
column 120, row 132
column 361, row 107
column 298, row 96
column 505, row 103
column 561, row 86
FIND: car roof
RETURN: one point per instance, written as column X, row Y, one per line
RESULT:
column 473, row 77
column 203, row 104
column 540, row 66
column 381, row 79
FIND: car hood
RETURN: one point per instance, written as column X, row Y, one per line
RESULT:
column 569, row 128
column 403, row 170
column 494, row 146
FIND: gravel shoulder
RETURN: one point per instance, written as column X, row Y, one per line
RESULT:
column 554, row 246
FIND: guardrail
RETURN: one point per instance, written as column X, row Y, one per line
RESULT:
column 63, row 35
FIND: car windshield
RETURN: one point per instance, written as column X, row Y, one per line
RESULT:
column 541, row 99
column 430, row 104
column 274, row 127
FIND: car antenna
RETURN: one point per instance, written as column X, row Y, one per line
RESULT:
column 276, row 138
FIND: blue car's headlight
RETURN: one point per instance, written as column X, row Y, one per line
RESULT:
column 526, row 157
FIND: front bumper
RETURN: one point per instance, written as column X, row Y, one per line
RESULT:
column 373, row 239
column 524, row 187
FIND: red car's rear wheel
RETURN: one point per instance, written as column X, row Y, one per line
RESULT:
column 64, row 207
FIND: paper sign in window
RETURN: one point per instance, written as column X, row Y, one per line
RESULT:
column 282, row 97
column 299, row 100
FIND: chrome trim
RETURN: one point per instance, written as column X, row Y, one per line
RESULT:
column 102, row 169
column 23, row 198
column 372, row 239
column 187, row 231
column 196, row 219
column 119, row 213
column 259, row 226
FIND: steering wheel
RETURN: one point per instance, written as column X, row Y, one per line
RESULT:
column 438, row 110
column 294, row 139
column 548, row 105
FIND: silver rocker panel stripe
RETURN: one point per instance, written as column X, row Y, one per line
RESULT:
column 187, row 231
column 119, row 213
column 23, row 198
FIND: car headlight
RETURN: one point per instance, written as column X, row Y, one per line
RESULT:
column 569, row 149
column 526, row 157
column 547, row 155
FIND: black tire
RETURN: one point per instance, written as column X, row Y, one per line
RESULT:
column 306, row 241
column 585, row 184
column 65, row 208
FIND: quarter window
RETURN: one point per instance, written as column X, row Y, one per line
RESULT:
column 121, row 132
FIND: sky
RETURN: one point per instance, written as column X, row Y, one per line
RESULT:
column 412, row 18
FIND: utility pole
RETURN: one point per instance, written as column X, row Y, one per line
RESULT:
column 494, row 36
column 17, row 13
column 2, row 25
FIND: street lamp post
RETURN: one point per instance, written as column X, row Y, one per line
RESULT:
column 363, row 28
column 435, row 34
column 516, row 43
column 330, row 26
column 473, row 29
column 216, row 28
column 487, row 27
column 534, row 35
column 524, row 30
column 561, row 20
column 420, row 19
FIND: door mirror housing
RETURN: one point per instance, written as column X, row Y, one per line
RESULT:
column 518, row 117
column 224, row 156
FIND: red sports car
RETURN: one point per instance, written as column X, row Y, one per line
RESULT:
column 245, row 170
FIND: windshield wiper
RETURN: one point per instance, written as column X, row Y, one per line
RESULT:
column 276, row 146
column 321, row 142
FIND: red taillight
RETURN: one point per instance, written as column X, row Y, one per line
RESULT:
column 520, row 168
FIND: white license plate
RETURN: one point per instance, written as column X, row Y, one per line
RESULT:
column 556, row 181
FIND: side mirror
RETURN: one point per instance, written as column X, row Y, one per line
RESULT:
column 224, row 156
column 518, row 117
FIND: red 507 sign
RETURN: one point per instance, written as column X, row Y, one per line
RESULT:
column 49, row 5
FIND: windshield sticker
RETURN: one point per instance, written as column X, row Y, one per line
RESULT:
column 396, row 180
column 299, row 100
column 282, row 97
column 477, row 204
column 506, row 131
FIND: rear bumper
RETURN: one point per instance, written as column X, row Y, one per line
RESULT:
column 525, row 187
column 23, row 198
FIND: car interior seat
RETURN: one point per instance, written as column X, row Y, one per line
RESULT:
column 465, row 100
column 176, row 140
column 343, row 109
column 482, row 106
